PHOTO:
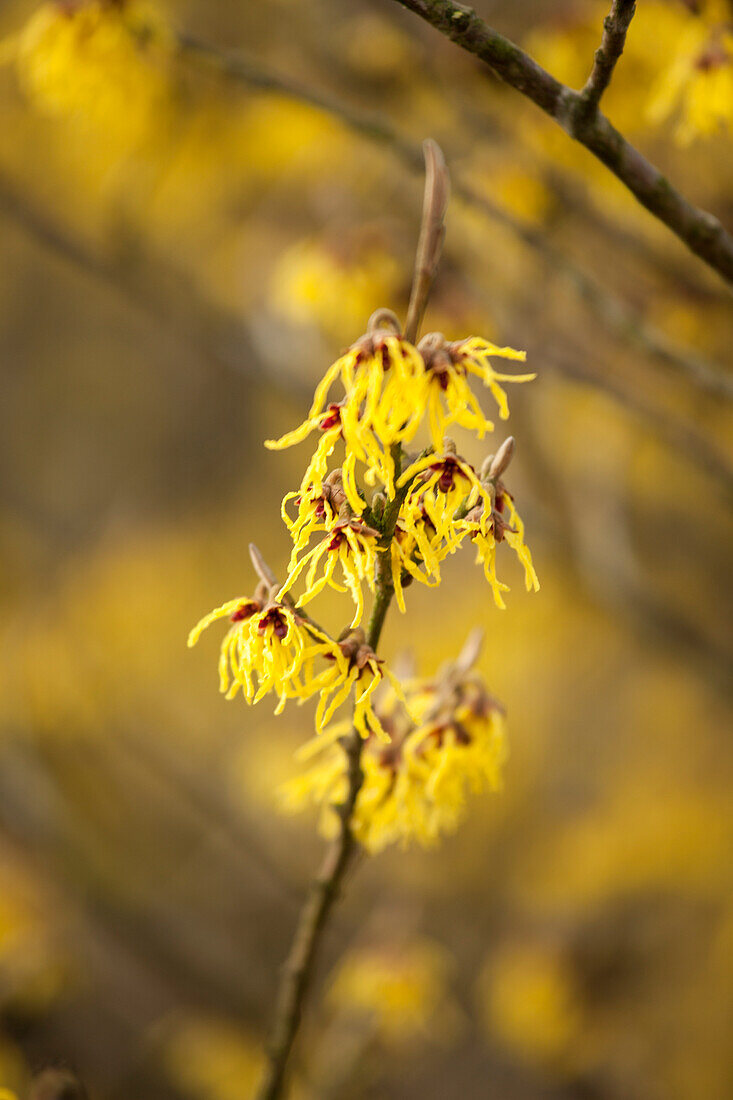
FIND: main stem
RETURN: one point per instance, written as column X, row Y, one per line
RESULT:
column 324, row 891
column 326, row 886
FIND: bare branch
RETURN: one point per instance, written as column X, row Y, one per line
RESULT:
column 699, row 230
column 615, row 27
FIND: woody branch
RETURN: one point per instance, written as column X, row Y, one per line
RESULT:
column 699, row 230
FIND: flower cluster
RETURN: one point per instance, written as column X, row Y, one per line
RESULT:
column 390, row 388
column 446, row 738
column 375, row 521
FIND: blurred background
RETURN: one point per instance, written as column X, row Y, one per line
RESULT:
column 187, row 242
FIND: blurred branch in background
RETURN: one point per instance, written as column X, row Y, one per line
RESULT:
column 577, row 113
column 159, row 291
column 170, row 289
column 616, row 315
column 224, row 337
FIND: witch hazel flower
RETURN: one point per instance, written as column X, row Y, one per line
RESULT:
column 349, row 546
column 269, row 647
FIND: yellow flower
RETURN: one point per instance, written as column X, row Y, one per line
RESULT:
column 269, row 647
column 6, row 1094
column 446, row 481
column 514, row 535
column 488, row 529
column 389, row 388
column 448, row 502
column 450, row 399
column 411, row 548
column 365, row 672
column 350, row 544
column 415, row 787
column 380, row 374
column 327, row 422
column 318, row 509
column 98, row 63
column 426, row 532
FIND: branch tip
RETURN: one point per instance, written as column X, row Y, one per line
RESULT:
column 432, row 233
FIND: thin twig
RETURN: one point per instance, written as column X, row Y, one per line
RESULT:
column 615, row 27
column 299, row 967
column 615, row 314
column 699, row 230
column 432, row 233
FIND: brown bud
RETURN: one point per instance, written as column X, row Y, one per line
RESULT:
column 502, row 458
column 353, row 645
column 262, row 593
column 333, row 489
column 364, row 529
column 378, row 504
column 431, row 342
column 468, row 656
column 261, row 567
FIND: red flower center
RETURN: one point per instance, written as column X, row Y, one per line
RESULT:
column 331, row 418
column 275, row 619
column 245, row 611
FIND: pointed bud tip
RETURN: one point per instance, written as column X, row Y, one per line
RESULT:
column 502, row 458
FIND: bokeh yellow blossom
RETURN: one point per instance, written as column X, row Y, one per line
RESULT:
column 312, row 282
column 211, row 1058
column 400, row 989
column 446, row 740
column 530, row 1002
column 696, row 87
column 102, row 65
